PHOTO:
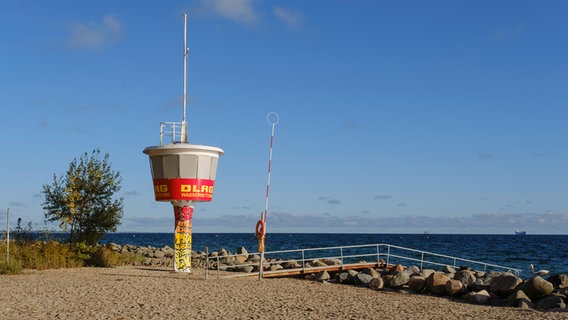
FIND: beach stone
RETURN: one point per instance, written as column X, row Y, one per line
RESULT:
column 454, row 287
column 291, row 264
column 559, row 281
column 467, row 277
column 398, row 268
column 412, row 270
column 478, row 274
column 253, row 258
column 482, row 297
column 536, row 287
column 345, row 278
column 318, row 263
column 362, row 279
column 372, row 272
column 242, row 251
column 169, row 252
column 224, row 252
column 523, row 305
column 398, row 279
column 504, row 284
column 448, row 269
column 275, row 267
column 564, row 292
column 551, row 302
column 417, row 283
column 322, row 276
column 159, row 253
column 376, row 283
column 517, row 297
column 241, row 259
column 245, row 269
column 332, row 262
column 436, row 282
column 425, row 273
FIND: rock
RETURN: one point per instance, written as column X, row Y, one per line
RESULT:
column 114, row 247
column 412, row 270
column 425, row 273
column 417, row 283
column 467, row 277
column 523, row 305
column 345, row 278
column 318, row 263
column 224, row 252
column 517, row 297
column 398, row 279
column 372, row 272
column 291, row 264
column 159, row 253
column 246, row 269
column 454, row 287
column 332, row 262
column 362, row 279
column 559, row 281
column 399, row 267
column 376, row 283
column 504, row 284
column 551, row 302
column 322, row 276
column 169, row 252
column 563, row 291
column 482, row 297
column 242, row 251
column 253, row 258
column 241, row 259
column 275, row 266
column 436, row 282
column 448, row 269
column 479, row 274
column 536, row 287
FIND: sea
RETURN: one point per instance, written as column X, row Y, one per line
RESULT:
column 545, row 252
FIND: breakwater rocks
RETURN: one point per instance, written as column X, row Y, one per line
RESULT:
column 465, row 284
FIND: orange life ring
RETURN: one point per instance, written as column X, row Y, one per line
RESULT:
column 259, row 230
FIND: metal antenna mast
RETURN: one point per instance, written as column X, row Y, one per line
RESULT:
column 185, row 54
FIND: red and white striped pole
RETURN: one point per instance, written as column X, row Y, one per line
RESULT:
column 272, row 118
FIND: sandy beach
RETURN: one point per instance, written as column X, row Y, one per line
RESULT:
column 158, row 293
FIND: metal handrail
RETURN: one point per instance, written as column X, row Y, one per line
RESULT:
column 171, row 131
column 378, row 253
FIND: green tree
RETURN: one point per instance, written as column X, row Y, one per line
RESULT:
column 82, row 200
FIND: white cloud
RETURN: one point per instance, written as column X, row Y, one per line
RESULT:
column 237, row 10
column 95, row 34
column 291, row 18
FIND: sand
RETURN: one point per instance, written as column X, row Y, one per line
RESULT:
column 154, row 293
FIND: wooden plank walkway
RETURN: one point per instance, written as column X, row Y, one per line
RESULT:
column 303, row 271
column 310, row 270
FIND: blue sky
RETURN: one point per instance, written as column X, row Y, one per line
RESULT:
column 395, row 117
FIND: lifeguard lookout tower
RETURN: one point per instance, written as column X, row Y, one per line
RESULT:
column 183, row 173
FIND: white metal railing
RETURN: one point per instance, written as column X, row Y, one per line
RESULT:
column 351, row 255
column 171, row 132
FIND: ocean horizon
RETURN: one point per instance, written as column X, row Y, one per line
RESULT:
column 548, row 252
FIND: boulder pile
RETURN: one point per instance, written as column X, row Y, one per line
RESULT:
column 487, row 288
